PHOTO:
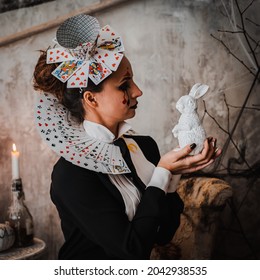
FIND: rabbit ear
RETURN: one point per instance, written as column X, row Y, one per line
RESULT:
column 198, row 90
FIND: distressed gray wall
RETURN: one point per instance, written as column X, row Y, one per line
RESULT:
column 170, row 48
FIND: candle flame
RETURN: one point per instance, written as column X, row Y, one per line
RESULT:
column 14, row 147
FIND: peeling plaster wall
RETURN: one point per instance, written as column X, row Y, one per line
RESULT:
column 170, row 48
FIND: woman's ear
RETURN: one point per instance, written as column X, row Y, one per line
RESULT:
column 89, row 99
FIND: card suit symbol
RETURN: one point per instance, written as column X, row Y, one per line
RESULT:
column 81, row 83
column 63, row 77
column 67, row 152
column 72, row 158
column 57, row 51
column 113, row 34
column 107, row 29
column 78, row 162
column 103, row 61
column 73, row 84
column 39, row 124
column 105, row 71
column 61, row 152
column 41, row 100
column 51, row 52
column 74, row 74
column 77, row 79
column 53, row 145
column 99, row 56
column 62, row 53
column 113, row 65
column 38, row 112
column 46, row 124
column 53, row 124
column 57, row 57
column 48, row 139
column 51, row 58
column 82, row 73
column 66, row 56
column 106, row 54
column 117, row 57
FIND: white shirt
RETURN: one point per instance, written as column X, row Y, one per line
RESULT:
column 149, row 174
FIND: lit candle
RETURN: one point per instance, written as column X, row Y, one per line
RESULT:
column 15, row 163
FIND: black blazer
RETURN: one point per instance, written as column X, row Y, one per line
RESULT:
column 93, row 218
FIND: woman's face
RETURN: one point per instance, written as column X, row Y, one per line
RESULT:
column 118, row 99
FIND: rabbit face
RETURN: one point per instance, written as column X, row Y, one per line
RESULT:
column 186, row 104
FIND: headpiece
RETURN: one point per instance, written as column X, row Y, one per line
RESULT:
column 85, row 51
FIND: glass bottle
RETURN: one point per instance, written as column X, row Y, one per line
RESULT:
column 20, row 218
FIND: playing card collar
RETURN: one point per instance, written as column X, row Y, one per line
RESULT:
column 71, row 141
column 89, row 60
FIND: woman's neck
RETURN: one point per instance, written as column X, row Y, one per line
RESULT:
column 112, row 126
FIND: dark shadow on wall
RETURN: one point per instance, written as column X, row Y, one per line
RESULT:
column 7, row 5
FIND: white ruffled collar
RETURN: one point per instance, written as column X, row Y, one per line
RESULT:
column 100, row 132
column 89, row 145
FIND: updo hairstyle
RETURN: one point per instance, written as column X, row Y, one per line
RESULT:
column 71, row 98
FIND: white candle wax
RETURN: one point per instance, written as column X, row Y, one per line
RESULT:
column 15, row 163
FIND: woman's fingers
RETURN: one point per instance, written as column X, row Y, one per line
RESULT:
column 192, row 168
column 217, row 153
column 208, row 150
column 180, row 161
column 185, row 151
column 173, row 158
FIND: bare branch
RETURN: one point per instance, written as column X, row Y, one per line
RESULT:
column 245, row 34
column 257, row 45
column 229, row 135
column 229, row 51
column 248, row 108
column 225, row 100
column 214, row 119
column 256, row 24
column 247, row 7
column 229, row 31
column 241, row 31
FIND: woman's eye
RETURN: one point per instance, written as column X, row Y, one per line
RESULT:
column 124, row 86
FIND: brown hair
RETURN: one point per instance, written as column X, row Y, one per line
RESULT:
column 71, row 98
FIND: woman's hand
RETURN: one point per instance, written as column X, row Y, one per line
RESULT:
column 179, row 162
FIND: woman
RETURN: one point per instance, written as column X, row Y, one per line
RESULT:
column 115, row 195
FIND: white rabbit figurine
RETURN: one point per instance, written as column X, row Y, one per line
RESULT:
column 189, row 128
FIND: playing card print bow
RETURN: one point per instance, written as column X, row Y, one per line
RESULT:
column 85, row 51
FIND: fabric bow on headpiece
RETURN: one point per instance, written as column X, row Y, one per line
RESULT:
column 86, row 51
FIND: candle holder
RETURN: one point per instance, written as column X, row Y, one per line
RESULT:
column 20, row 218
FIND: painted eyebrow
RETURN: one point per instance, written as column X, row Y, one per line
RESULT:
column 125, row 78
